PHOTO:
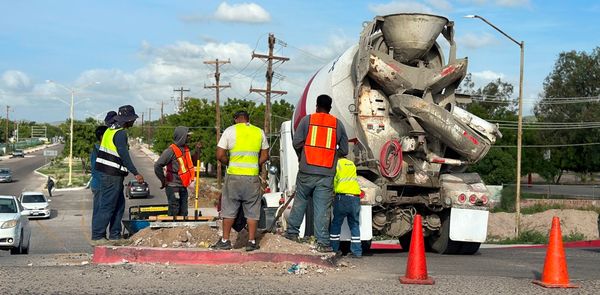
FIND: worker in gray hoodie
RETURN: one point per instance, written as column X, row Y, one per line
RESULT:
column 180, row 170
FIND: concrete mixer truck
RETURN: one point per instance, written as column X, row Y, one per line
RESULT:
column 396, row 95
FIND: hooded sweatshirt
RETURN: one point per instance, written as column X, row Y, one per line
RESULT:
column 168, row 159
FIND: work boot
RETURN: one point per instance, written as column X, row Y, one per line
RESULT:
column 119, row 242
column 220, row 245
column 351, row 255
column 323, row 248
column 252, row 246
column 98, row 242
column 292, row 237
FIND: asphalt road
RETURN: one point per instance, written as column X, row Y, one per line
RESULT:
column 23, row 176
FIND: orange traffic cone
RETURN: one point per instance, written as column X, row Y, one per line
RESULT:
column 555, row 273
column 416, row 267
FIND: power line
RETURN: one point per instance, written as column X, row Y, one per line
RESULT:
column 548, row 145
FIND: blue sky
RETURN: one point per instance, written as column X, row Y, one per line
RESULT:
column 141, row 50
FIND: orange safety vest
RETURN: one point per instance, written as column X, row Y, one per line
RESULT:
column 320, row 143
column 186, row 167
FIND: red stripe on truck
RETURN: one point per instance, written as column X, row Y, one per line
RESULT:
column 301, row 109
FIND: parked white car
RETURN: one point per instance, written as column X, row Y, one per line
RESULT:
column 15, row 232
column 36, row 203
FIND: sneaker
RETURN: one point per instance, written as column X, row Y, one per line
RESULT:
column 324, row 249
column 292, row 237
column 252, row 246
column 98, row 242
column 220, row 245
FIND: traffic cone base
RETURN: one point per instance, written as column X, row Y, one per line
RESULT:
column 555, row 274
column 416, row 266
column 549, row 285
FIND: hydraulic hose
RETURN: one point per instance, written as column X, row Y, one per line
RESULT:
column 390, row 159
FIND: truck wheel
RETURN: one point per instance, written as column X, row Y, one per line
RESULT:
column 405, row 241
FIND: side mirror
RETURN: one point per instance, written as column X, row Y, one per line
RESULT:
column 25, row 212
column 273, row 170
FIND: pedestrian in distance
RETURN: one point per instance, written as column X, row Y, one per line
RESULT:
column 318, row 141
column 114, row 163
column 346, row 205
column 248, row 151
column 50, row 186
column 180, row 170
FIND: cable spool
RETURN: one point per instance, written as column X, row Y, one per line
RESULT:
column 390, row 159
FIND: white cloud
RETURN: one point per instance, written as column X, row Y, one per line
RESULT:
column 243, row 12
column 16, row 80
column 487, row 75
column 399, row 6
column 471, row 40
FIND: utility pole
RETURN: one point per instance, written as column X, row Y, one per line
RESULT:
column 149, row 124
column 181, row 91
column 267, row 92
column 218, row 87
column 162, row 105
column 143, row 126
column 6, row 133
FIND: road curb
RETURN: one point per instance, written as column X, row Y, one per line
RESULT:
column 142, row 255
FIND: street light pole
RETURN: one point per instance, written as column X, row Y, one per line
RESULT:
column 519, row 124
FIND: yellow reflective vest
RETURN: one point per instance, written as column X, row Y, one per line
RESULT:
column 244, row 156
column 108, row 160
column 346, row 181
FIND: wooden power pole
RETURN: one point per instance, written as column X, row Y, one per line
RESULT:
column 267, row 92
column 217, row 86
column 181, row 91
column 6, row 133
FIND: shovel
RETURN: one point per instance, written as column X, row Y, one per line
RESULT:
column 279, row 213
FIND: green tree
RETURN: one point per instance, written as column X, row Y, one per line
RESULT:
column 83, row 140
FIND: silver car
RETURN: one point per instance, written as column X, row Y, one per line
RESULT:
column 15, row 232
column 36, row 203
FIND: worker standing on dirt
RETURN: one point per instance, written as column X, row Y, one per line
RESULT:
column 113, row 163
column 319, row 139
column 346, row 204
column 248, row 151
column 180, row 171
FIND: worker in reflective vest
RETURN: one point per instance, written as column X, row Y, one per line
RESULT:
column 113, row 163
column 346, row 204
column 318, row 140
column 179, row 165
column 248, row 151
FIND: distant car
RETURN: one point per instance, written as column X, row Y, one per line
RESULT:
column 5, row 175
column 36, row 203
column 18, row 153
column 15, row 232
column 135, row 189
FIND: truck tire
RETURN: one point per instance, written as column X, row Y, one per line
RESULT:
column 366, row 246
column 441, row 242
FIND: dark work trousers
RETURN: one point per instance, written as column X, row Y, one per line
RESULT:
column 177, row 196
column 111, row 205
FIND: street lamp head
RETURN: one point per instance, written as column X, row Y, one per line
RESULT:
column 470, row 16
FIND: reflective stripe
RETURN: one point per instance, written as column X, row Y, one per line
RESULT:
column 355, row 238
column 250, row 154
column 313, row 137
column 182, row 165
column 334, row 236
column 329, row 133
column 111, row 164
column 244, row 165
column 348, row 179
column 334, row 239
column 106, row 150
column 353, row 241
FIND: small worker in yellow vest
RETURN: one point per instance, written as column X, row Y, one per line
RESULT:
column 346, row 205
column 180, row 170
column 248, row 151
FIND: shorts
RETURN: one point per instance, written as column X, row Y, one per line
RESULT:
column 244, row 191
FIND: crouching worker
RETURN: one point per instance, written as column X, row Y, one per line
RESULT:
column 346, row 204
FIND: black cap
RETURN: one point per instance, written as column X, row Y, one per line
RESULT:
column 126, row 114
column 100, row 130
column 241, row 113
column 110, row 118
column 324, row 101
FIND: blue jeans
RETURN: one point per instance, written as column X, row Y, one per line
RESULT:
column 110, row 207
column 345, row 206
column 320, row 189
column 178, row 206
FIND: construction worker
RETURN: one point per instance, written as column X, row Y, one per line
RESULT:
column 113, row 163
column 248, row 151
column 95, row 180
column 319, row 139
column 179, row 172
column 346, row 204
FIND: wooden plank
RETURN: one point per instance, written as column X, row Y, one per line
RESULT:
column 181, row 218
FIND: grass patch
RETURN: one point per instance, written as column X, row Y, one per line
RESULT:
column 535, row 237
column 59, row 171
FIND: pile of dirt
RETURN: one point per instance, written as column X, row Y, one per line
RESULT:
column 572, row 221
column 208, row 195
column 202, row 236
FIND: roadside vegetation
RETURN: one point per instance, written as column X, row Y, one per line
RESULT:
column 58, row 169
column 534, row 237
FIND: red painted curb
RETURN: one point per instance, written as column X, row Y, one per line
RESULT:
column 112, row 255
column 578, row 244
column 382, row 246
